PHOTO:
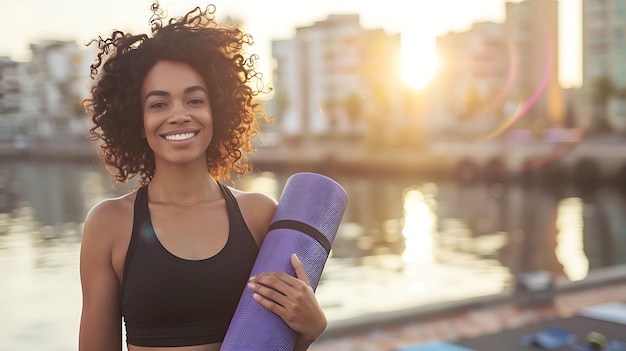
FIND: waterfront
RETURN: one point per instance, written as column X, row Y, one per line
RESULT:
column 404, row 242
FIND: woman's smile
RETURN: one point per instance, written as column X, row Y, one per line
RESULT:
column 178, row 137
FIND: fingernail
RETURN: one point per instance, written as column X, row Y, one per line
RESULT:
column 253, row 278
column 296, row 256
column 251, row 285
column 256, row 296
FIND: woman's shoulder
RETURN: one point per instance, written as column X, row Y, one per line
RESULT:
column 255, row 202
column 257, row 210
column 255, row 198
column 109, row 215
column 106, row 234
column 112, row 207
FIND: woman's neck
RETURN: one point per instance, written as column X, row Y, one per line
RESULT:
column 184, row 186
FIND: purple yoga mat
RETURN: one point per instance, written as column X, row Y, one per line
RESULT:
column 305, row 223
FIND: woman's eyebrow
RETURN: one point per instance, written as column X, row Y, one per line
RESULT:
column 195, row 88
column 165, row 93
column 156, row 93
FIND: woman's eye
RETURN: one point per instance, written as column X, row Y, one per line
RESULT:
column 196, row 101
column 157, row 105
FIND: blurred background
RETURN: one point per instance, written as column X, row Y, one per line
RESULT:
column 477, row 141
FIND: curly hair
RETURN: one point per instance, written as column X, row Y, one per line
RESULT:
column 215, row 52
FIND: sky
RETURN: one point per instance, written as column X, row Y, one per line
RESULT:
column 418, row 21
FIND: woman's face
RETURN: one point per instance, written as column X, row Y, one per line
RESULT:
column 177, row 118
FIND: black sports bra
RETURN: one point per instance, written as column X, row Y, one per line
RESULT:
column 169, row 301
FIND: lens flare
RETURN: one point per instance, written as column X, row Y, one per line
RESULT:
column 510, row 78
column 147, row 233
column 520, row 112
column 504, row 126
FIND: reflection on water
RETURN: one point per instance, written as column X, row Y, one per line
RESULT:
column 418, row 228
column 570, row 249
column 403, row 242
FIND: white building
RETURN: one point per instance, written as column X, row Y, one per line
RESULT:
column 53, row 89
column 604, row 55
column 533, row 32
column 41, row 99
column 472, row 81
column 9, row 98
column 335, row 77
column 497, row 72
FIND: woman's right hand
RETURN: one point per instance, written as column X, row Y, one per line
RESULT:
column 291, row 298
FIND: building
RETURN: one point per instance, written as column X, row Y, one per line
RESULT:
column 472, row 80
column 494, row 73
column 604, row 57
column 42, row 98
column 9, row 86
column 9, row 98
column 336, row 78
column 532, row 33
column 53, row 90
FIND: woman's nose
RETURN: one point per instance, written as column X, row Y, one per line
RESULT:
column 180, row 115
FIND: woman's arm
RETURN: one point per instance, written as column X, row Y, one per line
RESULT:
column 291, row 298
column 100, row 323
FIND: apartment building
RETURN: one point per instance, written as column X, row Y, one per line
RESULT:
column 472, row 80
column 532, row 31
column 9, row 98
column 335, row 77
column 497, row 72
column 53, row 89
column 604, row 56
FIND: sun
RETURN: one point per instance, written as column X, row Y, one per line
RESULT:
column 419, row 59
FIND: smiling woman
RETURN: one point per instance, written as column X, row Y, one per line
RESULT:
column 174, row 110
column 419, row 61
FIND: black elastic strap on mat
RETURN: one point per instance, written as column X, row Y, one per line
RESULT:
column 304, row 228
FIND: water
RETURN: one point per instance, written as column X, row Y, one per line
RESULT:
column 403, row 242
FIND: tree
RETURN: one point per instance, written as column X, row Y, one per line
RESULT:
column 474, row 102
column 353, row 107
column 603, row 89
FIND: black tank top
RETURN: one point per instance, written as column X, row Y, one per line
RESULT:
column 169, row 301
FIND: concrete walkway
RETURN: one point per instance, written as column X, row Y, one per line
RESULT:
column 470, row 318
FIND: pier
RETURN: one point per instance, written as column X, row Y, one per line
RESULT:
column 582, row 162
column 585, row 161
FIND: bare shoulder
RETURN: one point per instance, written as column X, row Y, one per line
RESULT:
column 109, row 211
column 257, row 210
column 110, row 221
column 253, row 197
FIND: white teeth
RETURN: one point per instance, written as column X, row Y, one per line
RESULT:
column 179, row 136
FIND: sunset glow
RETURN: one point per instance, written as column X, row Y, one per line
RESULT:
column 419, row 59
column 418, row 21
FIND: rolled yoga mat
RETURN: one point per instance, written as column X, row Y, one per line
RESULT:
column 305, row 223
